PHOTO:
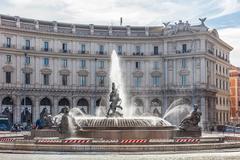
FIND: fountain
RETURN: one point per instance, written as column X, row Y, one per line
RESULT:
column 119, row 124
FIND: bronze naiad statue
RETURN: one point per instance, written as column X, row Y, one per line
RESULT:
column 190, row 123
column 115, row 103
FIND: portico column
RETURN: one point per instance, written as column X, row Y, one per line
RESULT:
column 147, row 105
column 92, row 105
column 55, row 106
column 35, row 111
column 17, row 110
column 204, row 114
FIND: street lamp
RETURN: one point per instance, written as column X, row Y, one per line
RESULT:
column 24, row 90
column 95, row 87
column 193, row 83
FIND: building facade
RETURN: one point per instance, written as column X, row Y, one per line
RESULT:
column 235, row 94
column 51, row 64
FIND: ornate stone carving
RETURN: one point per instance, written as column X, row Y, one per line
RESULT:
column 156, row 73
column 138, row 74
column 101, row 73
column 64, row 72
column 27, row 70
column 8, row 68
column 184, row 72
column 83, row 72
column 46, row 71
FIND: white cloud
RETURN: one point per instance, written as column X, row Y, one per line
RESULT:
column 134, row 12
column 232, row 36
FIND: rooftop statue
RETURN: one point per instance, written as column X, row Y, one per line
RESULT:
column 115, row 103
column 202, row 21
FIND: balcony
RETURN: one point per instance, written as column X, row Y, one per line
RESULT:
column 57, row 87
column 211, row 51
column 83, row 52
column 101, row 53
column 156, row 54
column 28, row 48
column 183, row 51
column 8, row 46
column 65, row 51
column 137, row 54
column 46, row 49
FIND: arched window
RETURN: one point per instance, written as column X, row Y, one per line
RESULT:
column 83, row 104
column 138, row 102
column 64, row 102
column 7, row 101
column 45, row 102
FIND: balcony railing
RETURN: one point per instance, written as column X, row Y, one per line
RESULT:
column 53, row 87
column 65, row 51
column 83, row 52
column 138, row 54
column 8, row 46
column 28, row 48
column 101, row 53
column 183, row 51
column 47, row 49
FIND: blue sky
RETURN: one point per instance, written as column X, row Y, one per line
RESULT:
column 223, row 15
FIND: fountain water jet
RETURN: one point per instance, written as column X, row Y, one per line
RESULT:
column 177, row 111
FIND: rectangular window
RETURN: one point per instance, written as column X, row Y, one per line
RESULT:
column 184, row 80
column 8, row 42
column 156, row 81
column 155, row 50
column 100, row 80
column 83, row 80
column 65, row 63
column 137, row 65
column 137, row 82
column 184, row 63
column 27, row 60
column 46, row 79
column 64, row 80
column 119, row 50
column 27, row 45
column 45, row 61
column 83, row 48
column 8, row 77
column 184, row 48
column 64, row 47
column 9, row 58
column 138, row 50
column 100, row 64
column 82, row 64
column 101, row 49
column 46, row 46
column 156, row 65
column 27, row 78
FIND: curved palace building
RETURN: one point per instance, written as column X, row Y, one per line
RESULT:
column 55, row 64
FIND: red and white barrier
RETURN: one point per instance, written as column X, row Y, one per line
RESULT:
column 228, row 138
column 129, row 141
column 76, row 141
column 187, row 140
column 7, row 139
column 48, row 141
